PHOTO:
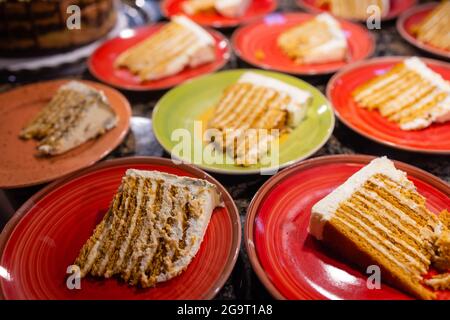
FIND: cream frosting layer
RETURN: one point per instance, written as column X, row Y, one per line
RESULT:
column 299, row 98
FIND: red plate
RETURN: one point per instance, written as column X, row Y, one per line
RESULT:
column 46, row 234
column 412, row 18
column 293, row 265
column 434, row 139
column 396, row 7
column 257, row 9
column 261, row 36
column 101, row 63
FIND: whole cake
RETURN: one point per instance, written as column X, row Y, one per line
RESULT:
column 34, row 27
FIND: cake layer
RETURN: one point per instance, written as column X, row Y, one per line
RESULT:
column 76, row 114
column 377, row 217
column 179, row 44
column 319, row 40
column 410, row 94
column 153, row 229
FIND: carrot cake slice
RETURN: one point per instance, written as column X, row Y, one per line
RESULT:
column 252, row 111
column 356, row 9
column 179, row 44
column 377, row 217
column 153, row 229
column 410, row 94
column 75, row 114
column 435, row 28
column 318, row 40
column 227, row 8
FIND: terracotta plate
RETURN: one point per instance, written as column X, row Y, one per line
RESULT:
column 434, row 139
column 260, row 38
column 412, row 18
column 396, row 7
column 257, row 9
column 101, row 63
column 19, row 166
column 292, row 264
column 46, row 234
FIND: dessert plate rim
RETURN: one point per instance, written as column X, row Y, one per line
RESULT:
column 230, row 205
column 267, row 187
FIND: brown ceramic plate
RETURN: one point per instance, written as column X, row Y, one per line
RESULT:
column 19, row 166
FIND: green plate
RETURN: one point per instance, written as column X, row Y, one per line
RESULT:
column 187, row 106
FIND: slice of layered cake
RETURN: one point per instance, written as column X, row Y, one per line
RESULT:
column 227, row 8
column 410, row 94
column 377, row 217
column 179, row 44
column 152, row 230
column 75, row 114
column 318, row 40
column 357, row 9
column 435, row 28
column 256, row 102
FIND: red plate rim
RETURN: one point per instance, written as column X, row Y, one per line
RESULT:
column 301, row 4
column 228, row 200
column 394, row 59
column 401, row 28
column 266, row 188
column 239, row 54
column 220, row 25
column 138, row 88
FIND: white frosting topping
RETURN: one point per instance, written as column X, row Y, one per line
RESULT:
column 333, row 26
column 203, row 36
column 421, row 68
column 323, row 210
column 299, row 98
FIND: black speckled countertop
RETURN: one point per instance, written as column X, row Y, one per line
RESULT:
column 243, row 283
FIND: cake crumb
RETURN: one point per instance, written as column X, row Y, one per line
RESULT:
column 439, row 282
